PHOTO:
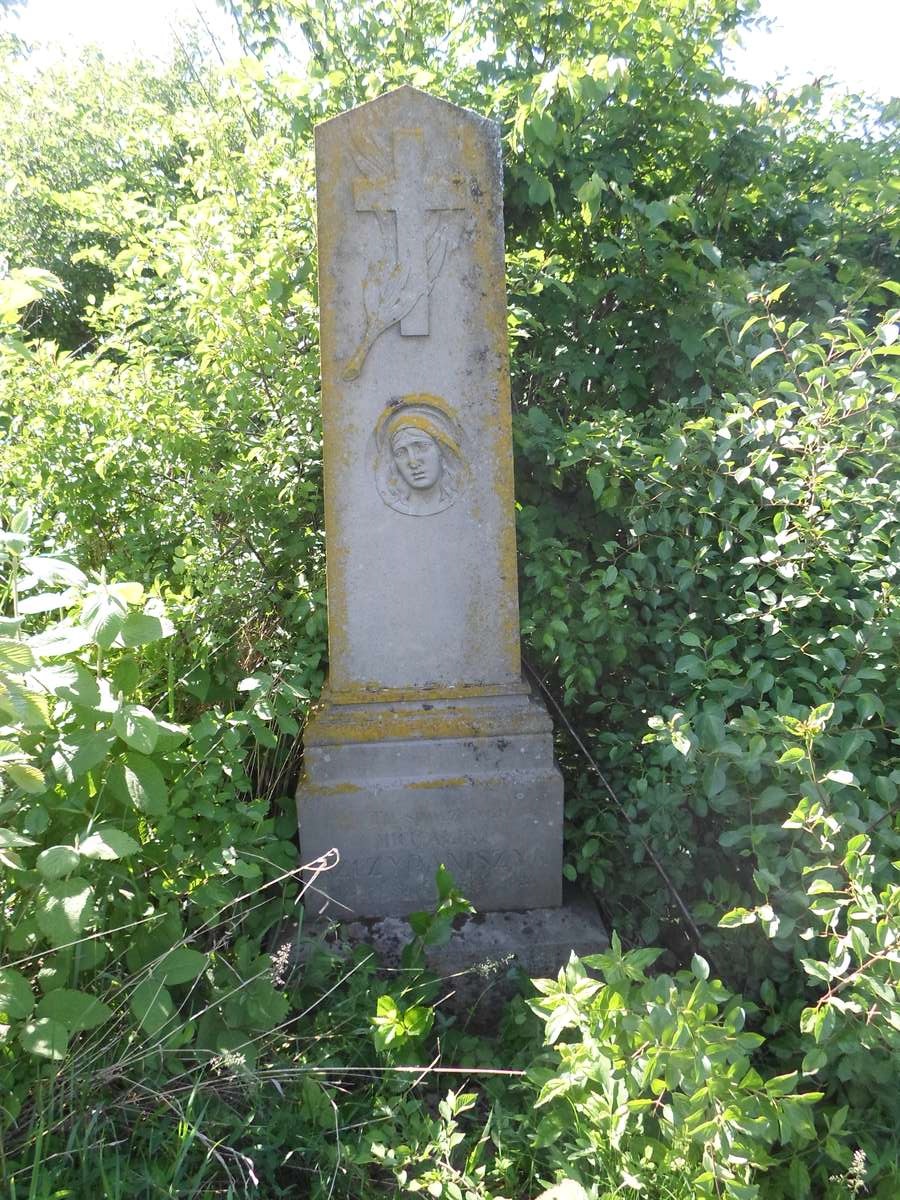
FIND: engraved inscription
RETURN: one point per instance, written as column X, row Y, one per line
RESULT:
column 418, row 457
column 413, row 211
column 465, row 865
column 393, row 839
column 393, row 864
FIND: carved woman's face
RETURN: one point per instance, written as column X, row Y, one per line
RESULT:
column 417, row 457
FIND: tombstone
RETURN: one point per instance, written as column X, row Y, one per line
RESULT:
column 427, row 747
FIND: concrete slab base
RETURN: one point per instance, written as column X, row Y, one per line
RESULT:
column 489, row 955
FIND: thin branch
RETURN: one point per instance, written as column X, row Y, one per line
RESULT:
column 695, row 934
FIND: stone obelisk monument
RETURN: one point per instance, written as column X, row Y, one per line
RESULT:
column 427, row 748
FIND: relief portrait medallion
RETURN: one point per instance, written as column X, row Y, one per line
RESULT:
column 419, row 463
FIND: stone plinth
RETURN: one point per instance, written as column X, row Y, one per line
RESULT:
column 428, row 747
column 401, row 787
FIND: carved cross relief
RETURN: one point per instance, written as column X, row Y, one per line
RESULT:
column 412, row 209
column 411, row 197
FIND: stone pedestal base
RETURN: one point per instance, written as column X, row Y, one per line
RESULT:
column 399, row 786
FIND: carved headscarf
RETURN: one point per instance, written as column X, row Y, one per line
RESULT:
column 434, row 417
column 419, row 411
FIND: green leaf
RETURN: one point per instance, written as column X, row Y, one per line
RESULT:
column 818, row 970
column 60, row 639
column 49, row 569
column 26, row 776
column 714, row 780
column 700, row 967
column 845, row 778
column 108, row 845
column 417, row 1020
column 590, row 190
column 15, row 656
column 130, row 591
column 15, row 294
column 737, row 916
column 691, row 665
column 140, row 629
column 73, row 1009
column 137, row 726
column 16, row 996
column 152, row 1006
column 568, row 1189
column 813, row 1061
column 658, row 211
column 886, row 789
column 170, row 735
column 64, row 909
column 45, row 1038
column 798, row 1176
column 738, row 1191
column 794, row 754
column 48, row 601
column 793, row 725
column 21, row 520
column 181, row 965
column 71, row 682
column 81, row 751
column 10, row 838
column 819, row 717
column 712, row 252
column 540, row 190
column 597, row 481
column 748, row 324
column 544, row 126
column 24, row 705
column 138, row 781
column 681, row 742
column 782, row 1085
column 12, row 543
column 57, row 861
column 444, row 882
column 103, row 614
column 763, row 355
column 261, row 682
column 675, row 451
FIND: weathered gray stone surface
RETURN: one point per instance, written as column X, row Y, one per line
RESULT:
column 489, row 955
column 428, row 747
column 485, row 801
column 415, row 398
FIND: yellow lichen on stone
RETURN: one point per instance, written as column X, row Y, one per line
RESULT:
column 455, row 781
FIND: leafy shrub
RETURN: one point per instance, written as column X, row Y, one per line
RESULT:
column 657, row 1082
column 704, row 329
column 126, row 836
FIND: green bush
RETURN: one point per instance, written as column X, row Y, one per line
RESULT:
column 704, row 332
column 658, row 1083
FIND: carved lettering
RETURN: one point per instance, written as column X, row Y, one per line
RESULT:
column 377, row 865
